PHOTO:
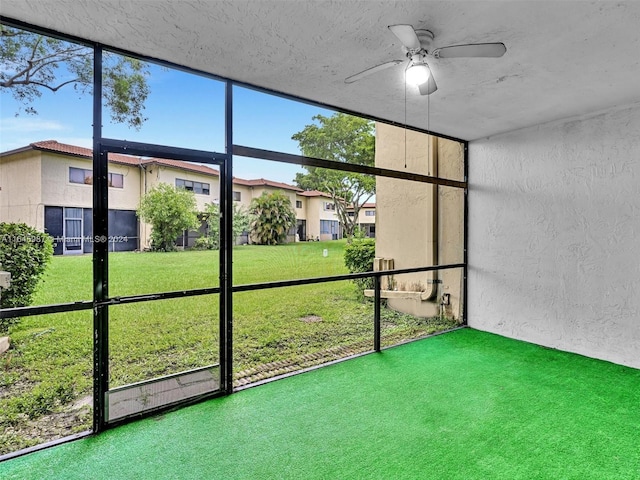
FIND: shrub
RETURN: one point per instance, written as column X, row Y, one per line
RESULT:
column 205, row 243
column 25, row 253
column 212, row 214
column 271, row 218
column 170, row 211
column 358, row 258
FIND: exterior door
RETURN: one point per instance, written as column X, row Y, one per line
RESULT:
column 174, row 320
column 72, row 232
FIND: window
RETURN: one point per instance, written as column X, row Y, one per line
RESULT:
column 329, row 226
column 329, row 206
column 195, row 187
column 298, row 203
column 116, row 180
column 237, row 196
column 80, row 175
column 84, row 176
column 370, row 213
column 351, row 214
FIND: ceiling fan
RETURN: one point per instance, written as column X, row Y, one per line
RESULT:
column 416, row 46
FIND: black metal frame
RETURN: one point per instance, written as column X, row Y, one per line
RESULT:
column 101, row 300
column 100, row 253
column 100, row 256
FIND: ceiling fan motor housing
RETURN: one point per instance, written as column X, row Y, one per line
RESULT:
column 426, row 39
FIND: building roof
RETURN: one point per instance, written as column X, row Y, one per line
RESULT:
column 263, row 182
column 57, row 147
column 194, row 167
column 364, row 205
column 82, row 152
column 314, row 193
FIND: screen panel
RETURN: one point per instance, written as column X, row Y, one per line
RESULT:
column 162, row 352
column 416, row 305
column 282, row 330
column 163, row 105
column 46, row 379
column 410, row 151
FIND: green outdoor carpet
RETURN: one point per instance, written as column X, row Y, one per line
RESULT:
column 462, row 405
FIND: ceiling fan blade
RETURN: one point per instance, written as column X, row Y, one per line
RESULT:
column 471, row 50
column 428, row 87
column 369, row 71
column 407, row 35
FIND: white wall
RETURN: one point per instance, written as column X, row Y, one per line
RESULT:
column 554, row 235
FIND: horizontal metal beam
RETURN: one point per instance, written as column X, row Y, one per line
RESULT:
column 126, row 147
column 336, row 278
column 251, row 152
column 44, row 309
column 87, row 305
column 161, row 296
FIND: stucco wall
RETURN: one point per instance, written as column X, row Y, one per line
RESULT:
column 364, row 218
column 245, row 195
column 301, row 213
column 314, row 207
column 408, row 212
column 58, row 190
column 554, row 219
column 17, row 202
column 314, row 213
column 161, row 174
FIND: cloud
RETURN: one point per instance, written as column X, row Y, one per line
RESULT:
column 27, row 125
column 18, row 132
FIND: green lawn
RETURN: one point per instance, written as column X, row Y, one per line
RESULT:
column 275, row 330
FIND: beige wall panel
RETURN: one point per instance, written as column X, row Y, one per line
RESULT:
column 20, row 194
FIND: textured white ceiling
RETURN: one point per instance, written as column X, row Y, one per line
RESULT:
column 564, row 58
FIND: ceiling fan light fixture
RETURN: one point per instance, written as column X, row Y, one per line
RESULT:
column 418, row 73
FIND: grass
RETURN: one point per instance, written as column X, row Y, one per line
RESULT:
column 275, row 330
column 459, row 406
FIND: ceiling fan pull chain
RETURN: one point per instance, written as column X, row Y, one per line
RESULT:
column 405, row 117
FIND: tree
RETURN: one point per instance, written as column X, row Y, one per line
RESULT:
column 24, row 253
column 358, row 258
column 31, row 63
column 271, row 218
column 340, row 138
column 170, row 211
column 212, row 214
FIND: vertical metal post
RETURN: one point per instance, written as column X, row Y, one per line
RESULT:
column 465, row 258
column 226, row 250
column 100, row 254
column 376, row 313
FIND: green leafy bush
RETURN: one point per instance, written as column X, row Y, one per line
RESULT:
column 358, row 258
column 25, row 253
column 211, row 241
column 170, row 211
column 272, row 217
column 205, row 243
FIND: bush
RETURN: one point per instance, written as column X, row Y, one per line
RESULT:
column 25, row 253
column 212, row 213
column 170, row 211
column 358, row 258
column 205, row 243
column 271, row 218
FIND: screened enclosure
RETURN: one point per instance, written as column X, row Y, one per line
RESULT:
column 142, row 330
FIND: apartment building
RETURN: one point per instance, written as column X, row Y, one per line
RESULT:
column 366, row 219
column 47, row 185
